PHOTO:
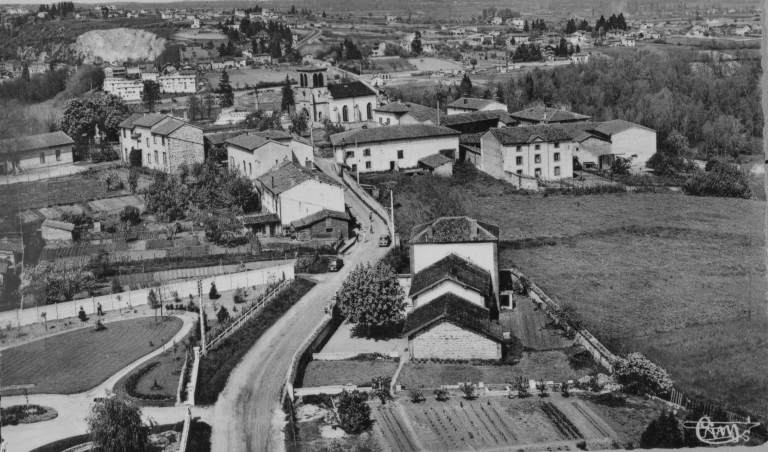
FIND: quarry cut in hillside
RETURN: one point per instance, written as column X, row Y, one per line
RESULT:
column 118, row 45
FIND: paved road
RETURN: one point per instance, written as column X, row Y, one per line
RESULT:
column 247, row 416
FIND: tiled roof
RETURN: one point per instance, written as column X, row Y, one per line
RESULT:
column 471, row 103
column 547, row 114
column 452, row 268
column 261, row 218
column 423, row 114
column 168, row 127
column 435, row 160
column 351, row 89
column 128, row 123
column 391, row 133
column 521, row 135
column 472, row 139
column 456, row 310
column 275, row 135
column 319, row 216
column 44, row 140
column 615, row 126
column 250, row 142
column 581, row 131
column 219, row 138
column 58, row 225
column 301, row 139
column 287, row 175
column 149, row 120
column 15, row 247
column 394, row 107
column 476, row 116
column 453, row 230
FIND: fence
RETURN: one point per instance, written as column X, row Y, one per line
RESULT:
column 370, row 202
column 192, row 384
column 111, row 302
column 705, row 408
column 185, row 432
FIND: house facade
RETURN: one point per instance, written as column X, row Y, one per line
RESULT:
column 471, row 104
column 179, row 83
column 164, row 142
column 254, row 155
column 35, row 151
column 322, row 225
column 127, row 89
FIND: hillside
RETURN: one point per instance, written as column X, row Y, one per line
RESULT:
column 119, row 44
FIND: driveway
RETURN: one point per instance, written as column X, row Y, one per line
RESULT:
column 248, row 416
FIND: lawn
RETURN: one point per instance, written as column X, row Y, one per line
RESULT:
column 239, row 78
column 678, row 277
column 354, row 372
column 167, row 374
column 80, row 360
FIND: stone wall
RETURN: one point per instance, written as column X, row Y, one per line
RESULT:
column 186, row 146
column 448, row 341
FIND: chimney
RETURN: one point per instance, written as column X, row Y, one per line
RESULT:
column 465, row 100
column 293, row 181
column 545, row 116
column 430, row 233
column 473, row 229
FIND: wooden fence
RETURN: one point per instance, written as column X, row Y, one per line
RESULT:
column 705, row 408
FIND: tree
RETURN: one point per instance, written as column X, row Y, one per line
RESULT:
column 372, row 295
column 473, row 62
column 466, row 85
column 526, row 28
column 441, row 394
column 133, row 174
column 151, row 94
column 115, row 425
column 565, row 389
column 323, row 14
column 664, row 432
column 78, row 118
column 287, row 101
column 416, row 43
column 213, row 293
column 299, row 123
column 154, row 302
column 673, row 157
column 354, row 414
column 222, row 315
column 116, row 287
column 195, row 107
column 25, row 73
column 468, row 390
column 56, row 281
column 641, row 376
column 226, row 96
column 209, row 101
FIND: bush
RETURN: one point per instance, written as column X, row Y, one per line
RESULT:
column 25, row 414
column 133, row 380
column 723, row 180
column 417, row 396
column 116, row 287
column 213, row 293
column 354, row 412
column 664, row 432
column 130, row 215
column 468, row 390
column 240, row 296
column 381, row 387
column 621, row 166
column 223, row 315
column 441, row 394
column 640, row 376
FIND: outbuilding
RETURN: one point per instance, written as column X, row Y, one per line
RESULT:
column 58, row 231
column 35, row 151
column 437, row 164
column 323, row 225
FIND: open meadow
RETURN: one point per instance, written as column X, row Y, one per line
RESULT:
column 241, row 78
column 677, row 277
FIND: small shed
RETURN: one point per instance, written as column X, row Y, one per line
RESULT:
column 437, row 164
column 11, row 250
column 326, row 224
column 58, row 230
column 263, row 224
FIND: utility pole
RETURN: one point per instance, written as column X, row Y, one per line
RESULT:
column 202, row 319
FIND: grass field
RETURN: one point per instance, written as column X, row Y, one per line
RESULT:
column 677, row 277
column 357, row 372
column 239, row 78
column 167, row 374
column 77, row 361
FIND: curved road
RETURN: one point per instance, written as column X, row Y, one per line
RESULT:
column 247, row 416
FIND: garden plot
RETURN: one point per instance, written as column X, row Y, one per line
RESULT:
column 356, row 372
column 530, row 323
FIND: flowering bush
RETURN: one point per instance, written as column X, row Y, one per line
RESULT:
column 640, row 376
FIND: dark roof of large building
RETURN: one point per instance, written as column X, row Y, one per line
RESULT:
column 320, row 216
column 350, row 89
column 287, row 175
column 580, row 131
column 476, row 116
column 470, row 103
column 435, row 160
column 541, row 113
column 391, row 133
column 128, row 123
column 395, row 107
column 454, row 309
column 452, row 268
column 420, row 112
column 250, row 141
column 522, row 135
column 169, row 127
column 454, row 229
column 32, row 142
column 274, row 135
column 59, row 225
column 149, row 120
column 471, row 139
column 219, row 138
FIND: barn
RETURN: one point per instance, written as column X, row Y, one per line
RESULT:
column 57, row 230
column 323, row 225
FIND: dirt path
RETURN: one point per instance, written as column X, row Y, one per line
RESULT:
column 245, row 410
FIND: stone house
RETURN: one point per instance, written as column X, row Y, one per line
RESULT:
column 437, row 164
column 164, row 142
column 263, row 225
column 323, row 225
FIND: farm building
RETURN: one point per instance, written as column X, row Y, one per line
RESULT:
column 451, row 274
column 470, row 104
column 451, row 327
column 255, row 153
column 263, row 224
column 392, row 148
column 597, row 144
column 469, row 148
column 11, row 250
column 544, row 115
column 294, row 192
column 326, row 224
column 35, row 151
column 437, row 164
column 391, row 113
column 57, row 230
column 339, row 102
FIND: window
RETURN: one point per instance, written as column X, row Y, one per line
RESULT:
column 368, row 165
column 557, row 156
column 165, row 158
column 557, row 171
column 250, row 169
column 354, row 167
column 366, row 152
column 537, row 173
column 231, row 162
column 156, row 159
column 42, row 157
column 162, row 140
column 147, row 142
column 519, row 171
column 537, row 147
column 350, row 154
column 369, row 110
column 154, row 140
column 328, row 222
column 58, row 155
column 400, row 154
column 381, row 120
column 518, row 160
column 149, row 157
column 557, row 145
column 387, row 121
column 125, row 133
column 345, row 114
column 519, row 149
column 537, row 158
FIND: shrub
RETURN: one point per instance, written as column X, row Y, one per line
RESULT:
column 723, row 180
column 664, row 432
column 565, row 390
column 213, row 293
column 240, row 295
column 25, row 414
column 542, row 387
column 417, row 396
column 468, row 390
column 133, row 380
column 134, row 157
column 116, row 287
column 621, row 166
column 522, row 389
column 130, row 215
column 441, row 394
column 354, row 412
column 640, row 376
column 223, row 315
column 381, row 387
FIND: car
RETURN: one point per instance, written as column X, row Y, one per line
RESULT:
column 335, row 264
column 385, row 240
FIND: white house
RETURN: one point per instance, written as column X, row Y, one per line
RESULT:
column 580, row 58
column 629, row 140
column 627, row 41
column 452, row 274
column 35, row 151
column 180, row 82
column 195, row 23
column 497, row 21
column 470, row 104
column 294, row 192
column 517, row 154
column 393, row 148
column 231, row 115
column 339, row 102
column 393, row 113
column 254, row 155
column 128, row 90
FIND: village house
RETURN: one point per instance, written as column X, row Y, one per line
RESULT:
column 35, row 152
column 114, row 71
column 231, row 115
column 392, row 148
column 470, row 104
column 255, row 153
column 580, row 58
column 128, row 90
column 478, row 121
column 546, row 115
column 294, row 192
column 53, row 230
column 516, row 154
column 322, row 225
column 437, row 164
column 179, row 83
column 11, row 250
column 164, row 142
column 339, row 102
column 393, row 112
column 599, row 143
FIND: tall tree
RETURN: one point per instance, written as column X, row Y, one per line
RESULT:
column 372, row 295
column 287, row 102
column 151, row 94
column 154, row 302
column 209, row 101
column 226, row 96
column 115, row 425
column 195, row 108
column 466, row 85
column 416, row 43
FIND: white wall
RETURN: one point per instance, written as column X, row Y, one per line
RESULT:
column 255, row 164
column 307, row 198
column 381, row 118
column 31, row 159
column 129, row 90
column 302, row 152
column 495, row 159
column 634, row 141
column 383, row 153
column 482, row 254
column 448, row 341
column 178, row 84
column 335, row 108
column 448, row 287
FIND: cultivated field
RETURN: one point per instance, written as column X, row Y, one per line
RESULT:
column 354, row 372
column 80, row 360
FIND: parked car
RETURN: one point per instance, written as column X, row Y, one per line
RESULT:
column 335, row 264
column 385, row 240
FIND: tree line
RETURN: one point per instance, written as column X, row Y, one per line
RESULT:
column 62, row 9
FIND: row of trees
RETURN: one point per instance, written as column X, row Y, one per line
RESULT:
column 62, row 9
column 612, row 23
column 346, row 50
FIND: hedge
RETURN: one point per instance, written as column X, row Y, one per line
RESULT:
column 133, row 380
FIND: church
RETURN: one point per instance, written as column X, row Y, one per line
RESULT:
column 340, row 103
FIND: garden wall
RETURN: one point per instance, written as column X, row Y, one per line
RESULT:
column 369, row 201
column 110, row 302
